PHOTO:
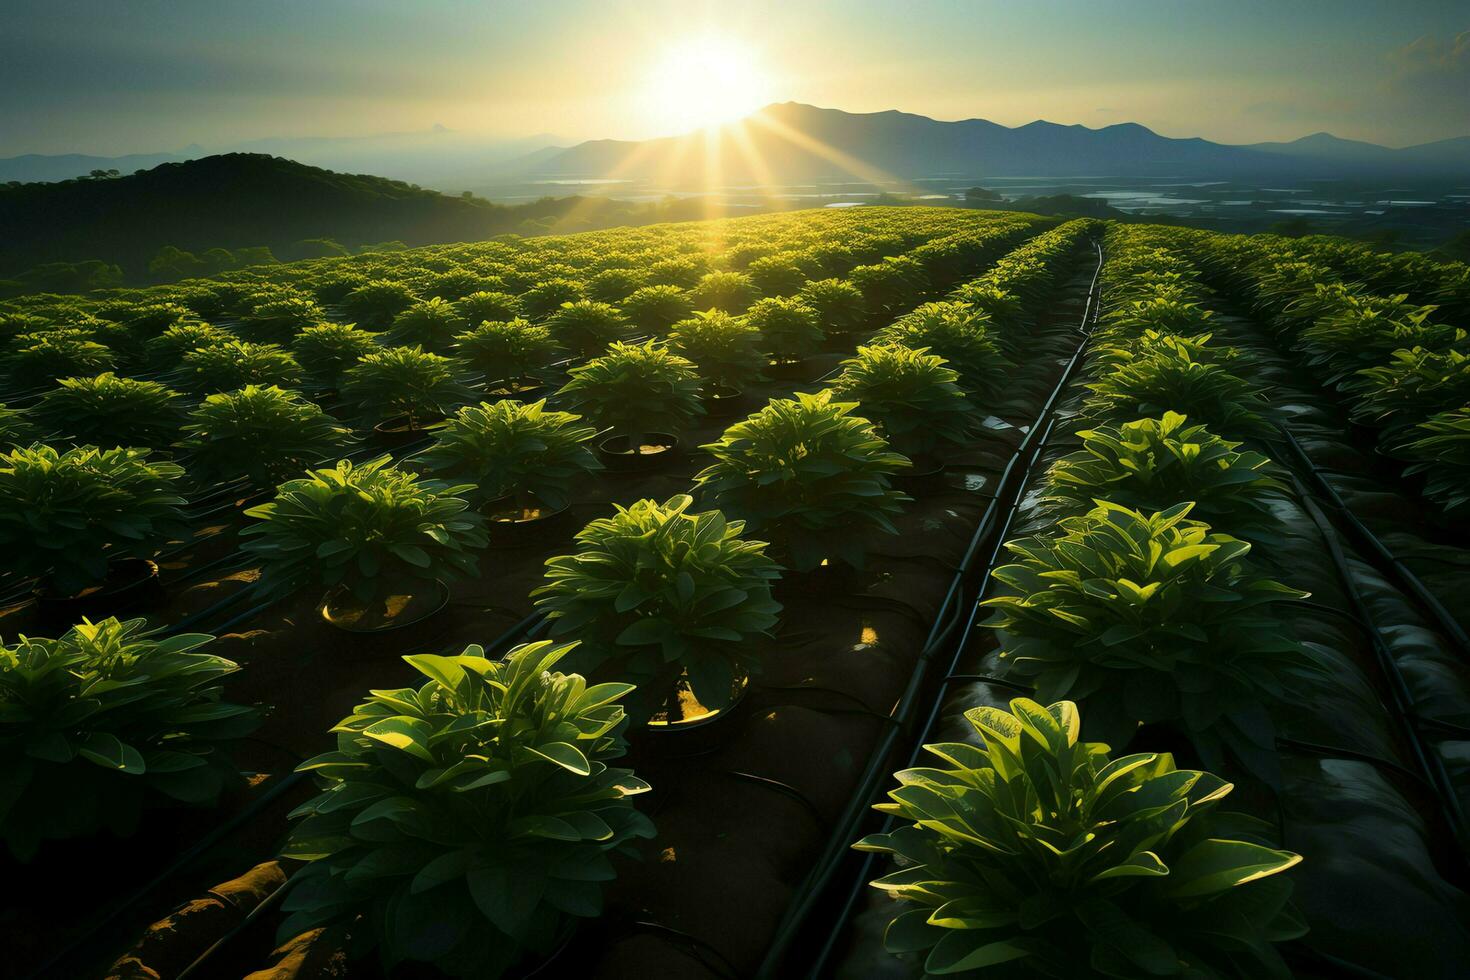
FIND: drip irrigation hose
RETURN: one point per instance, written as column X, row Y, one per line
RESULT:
column 1027, row 453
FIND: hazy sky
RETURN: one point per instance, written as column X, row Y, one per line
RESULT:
column 117, row 76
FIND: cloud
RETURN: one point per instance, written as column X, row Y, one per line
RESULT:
column 1436, row 69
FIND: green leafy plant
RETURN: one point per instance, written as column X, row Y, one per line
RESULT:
column 167, row 350
column 654, row 309
column 430, row 324
column 507, row 350
column 808, row 475
column 509, row 448
column 544, row 299
column 1439, row 449
column 1156, row 620
column 636, row 390
column 615, row 285
column 279, row 320
column 151, row 319
column 840, row 306
column 485, row 802
column 370, row 528
column 1414, row 385
column 16, row 428
column 587, row 326
column 729, row 292
column 110, row 411
column 65, row 514
column 1003, row 308
column 110, row 712
column 405, row 381
column 657, row 594
column 776, row 275
column 495, row 307
column 912, row 394
column 375, row 303
column 235, row 364
column 684, row 272
column 50, row 357
column 326, row 350
column 262, row 434
column 724, row 349
column 1175, row 382
column 1153, row 464
column 789, row 328
column 1037, row 851
column 961, row 336
column 893, row 284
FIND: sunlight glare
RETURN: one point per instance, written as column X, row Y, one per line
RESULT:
column 704, row 82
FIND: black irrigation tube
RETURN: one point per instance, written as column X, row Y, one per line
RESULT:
column 1016, row 472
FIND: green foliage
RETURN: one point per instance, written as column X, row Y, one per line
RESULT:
column 587, row 326
column 167, row 350
column 512, row 448
column 789, row 328
column 893, row 284
column 325, row 350
column 911, row 394
column 262, row 434
column 1160, row 314
column 371, row 528
column 493, row 306
column 544, row 299
column 955, row 332
column 1439, row 449
column 467, row 820
column 655, row 594
column 235, row 364
column 724, row 349
column 1153, row 464
column 684, row 272
column 110, row 411
column 840, row 306
column 16, row 428
column 1174, row 382
column 64, row 514
column 395, row 381
column 375, row 303
column 430, row 324
column 50, row 357
column 654, row 309
column 729, row 292
column 1035, row 850
column 808, row 475
column 614, row 285
column 1154, row 619
column 1412, row 386
column 1003, row 308
column 507, row 350
column 279, row 320
column 113, row 713
column 152, row 319
column 776, row 275
column 636, row 389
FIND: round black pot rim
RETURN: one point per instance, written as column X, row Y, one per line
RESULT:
column 322, row 609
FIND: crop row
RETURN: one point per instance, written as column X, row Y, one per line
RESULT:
column 1140, row 617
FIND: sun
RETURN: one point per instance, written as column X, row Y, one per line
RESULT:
column 701, row 82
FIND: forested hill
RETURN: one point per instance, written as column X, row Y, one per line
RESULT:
column 232, row 201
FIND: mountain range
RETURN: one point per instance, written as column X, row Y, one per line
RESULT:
column 789, row 142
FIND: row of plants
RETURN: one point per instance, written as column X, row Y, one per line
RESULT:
column 1403, row 369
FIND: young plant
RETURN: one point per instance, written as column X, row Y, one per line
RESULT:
column 1153, row 464
column 912, row 394
column 509, row 448
column 495, row 307
column 1174, row 382
column 729, row 292
column 587, row 326
column 544, row 299
column 489, row 787
column 369, row 528
column 1157, row 620
column 65, row 514
column 776, row 275
column 809, row 476
column 110, row 411
column 114, row 712
column 615, row 285
column 890, row 285
column 789, row 328
column 325, row 350
column 659, row 595
column 961, row 336
column 430, row 324
column 277, row 321
column 375, row 303
column 654, row 309
column 725, row 350
column 840, row 306
column 405, row 381
column 50, row 357
column 1035, row 851
column 262, row 434
column 16, row 428
column 1438, row 448
column 235, row 364
column 166, row 351
column 636, row 390
column 507, row 350
column 1414, row 385
column 1003, row 308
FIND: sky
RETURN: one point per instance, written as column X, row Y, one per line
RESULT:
column 123, row 76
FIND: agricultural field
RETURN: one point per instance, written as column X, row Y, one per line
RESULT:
column 867, row 592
